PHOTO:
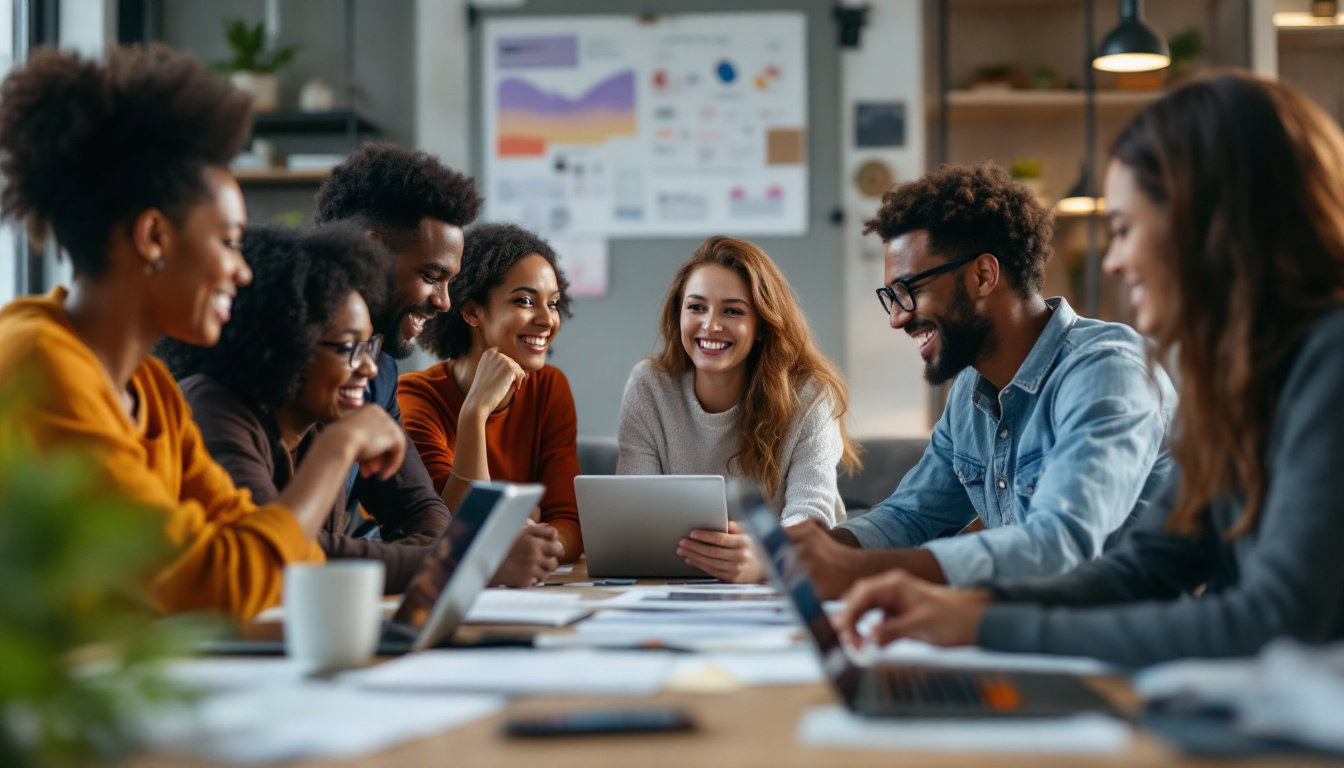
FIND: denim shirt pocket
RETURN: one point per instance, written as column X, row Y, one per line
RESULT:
column 971, row 473
column 1025, row 478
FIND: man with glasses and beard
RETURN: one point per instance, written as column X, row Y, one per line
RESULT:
column 417, row 207
column 1054, row 432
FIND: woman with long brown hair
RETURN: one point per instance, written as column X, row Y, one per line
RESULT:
column 741, row 390
column 1226, row 205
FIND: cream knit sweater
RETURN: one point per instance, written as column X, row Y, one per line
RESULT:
column 664, row 431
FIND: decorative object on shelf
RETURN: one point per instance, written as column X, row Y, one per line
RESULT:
column 253, row 66
column 1045, row 79
column 997, row 77
column 1133, row 46
column 1324, row 8
column 1030, row 172
column 1187, row 48
column 316, row 96
column 874, row 178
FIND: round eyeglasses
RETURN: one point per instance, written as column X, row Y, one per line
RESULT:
column 901, row 291
column 356, row 350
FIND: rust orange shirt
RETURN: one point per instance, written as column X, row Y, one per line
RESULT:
column 533, row 440
column 229, row 553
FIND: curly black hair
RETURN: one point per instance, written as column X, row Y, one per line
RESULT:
column 489, row 252
column 299, row 280
column 979, row 209
column 85, row 147
column 390, row 189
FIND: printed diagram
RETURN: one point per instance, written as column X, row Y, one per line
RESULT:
column 611, row 126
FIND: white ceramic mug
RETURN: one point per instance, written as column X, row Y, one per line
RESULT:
column 333, row 613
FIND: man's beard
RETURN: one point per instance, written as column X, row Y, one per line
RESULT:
column 390, row 327
column 964, row 337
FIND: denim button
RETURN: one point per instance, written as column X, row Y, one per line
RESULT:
column 1002, row 483
column 1003, row 435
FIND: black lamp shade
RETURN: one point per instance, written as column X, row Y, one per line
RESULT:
column 1133, row 46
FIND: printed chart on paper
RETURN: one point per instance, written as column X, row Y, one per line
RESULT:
column 615, row 126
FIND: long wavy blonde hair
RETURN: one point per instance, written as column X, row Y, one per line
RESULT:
column 784, row 361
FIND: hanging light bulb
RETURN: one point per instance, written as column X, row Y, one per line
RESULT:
column 1133, row 46
column 1080, row 198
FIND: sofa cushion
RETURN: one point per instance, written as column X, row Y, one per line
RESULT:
column 885, row 462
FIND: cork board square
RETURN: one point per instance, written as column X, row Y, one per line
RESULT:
column 784, row 146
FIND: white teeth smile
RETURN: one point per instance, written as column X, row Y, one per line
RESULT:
column 711, row 345
column 224, row 303
column 355, row 394
column 537, row 342
column 924, row 336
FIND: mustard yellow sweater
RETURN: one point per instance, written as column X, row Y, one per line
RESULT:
column 229, row 552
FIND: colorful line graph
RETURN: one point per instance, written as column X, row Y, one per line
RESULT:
column 531, row 118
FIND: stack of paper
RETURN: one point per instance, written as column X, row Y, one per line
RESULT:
column 520, row 671
column 834, row 726
column 526, row 606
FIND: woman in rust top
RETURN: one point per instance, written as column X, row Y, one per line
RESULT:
column 494, row 409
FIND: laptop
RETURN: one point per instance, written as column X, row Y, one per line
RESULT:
column 631, row 523
column 451, row 576
column 896, row 690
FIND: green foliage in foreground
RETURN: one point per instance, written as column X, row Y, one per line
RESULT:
column 79, row 640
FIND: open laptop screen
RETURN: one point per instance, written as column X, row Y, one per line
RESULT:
column 790, row 577
column 439, row 565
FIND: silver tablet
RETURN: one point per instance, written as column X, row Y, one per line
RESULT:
column 631, row 523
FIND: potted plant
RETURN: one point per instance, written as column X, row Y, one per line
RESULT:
column 1030, row 171
column 82, row 646
column 252, row 68
column 1186, row 48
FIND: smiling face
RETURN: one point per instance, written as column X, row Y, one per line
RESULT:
column 331, row 388
column 426, row 262
column 951, row 333
column 1140, row 251
column 203, row 265
column 718, row 321
column 521, row 316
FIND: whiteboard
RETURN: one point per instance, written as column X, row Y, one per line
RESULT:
column 617, row 126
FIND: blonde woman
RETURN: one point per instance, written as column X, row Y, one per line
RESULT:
column 740, row 390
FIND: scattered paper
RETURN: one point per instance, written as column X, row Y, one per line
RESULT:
column 687, row 598
column 695, row 638
column 755, row 616
column 520, row 671
column 834, row 726
column 794, row 667
column 307, row 720
column 213, row 674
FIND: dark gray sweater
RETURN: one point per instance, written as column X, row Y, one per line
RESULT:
column 1285, row 578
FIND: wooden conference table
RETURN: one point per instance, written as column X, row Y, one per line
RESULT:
column 742, row 727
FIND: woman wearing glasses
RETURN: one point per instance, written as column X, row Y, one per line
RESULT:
column 1226, row 206
column 741, row 390
column 279, row 396
column 125, row 162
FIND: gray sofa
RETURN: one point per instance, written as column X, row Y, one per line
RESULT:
column 885, row 462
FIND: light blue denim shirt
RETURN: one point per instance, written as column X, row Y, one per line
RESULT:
column 1054, row 464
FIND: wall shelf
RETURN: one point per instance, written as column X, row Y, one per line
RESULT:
column 994, row 104
column 328, row 121
column 279, row 177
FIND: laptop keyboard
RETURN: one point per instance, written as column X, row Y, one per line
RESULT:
column 951, row 689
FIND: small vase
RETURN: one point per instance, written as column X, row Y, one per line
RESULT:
column 316, row 96
column 262, row 86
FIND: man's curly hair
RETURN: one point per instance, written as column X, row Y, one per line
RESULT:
column 299, row 280
column 972, row 210
column 390, row 189
column 85, row 147
column 489, row 253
